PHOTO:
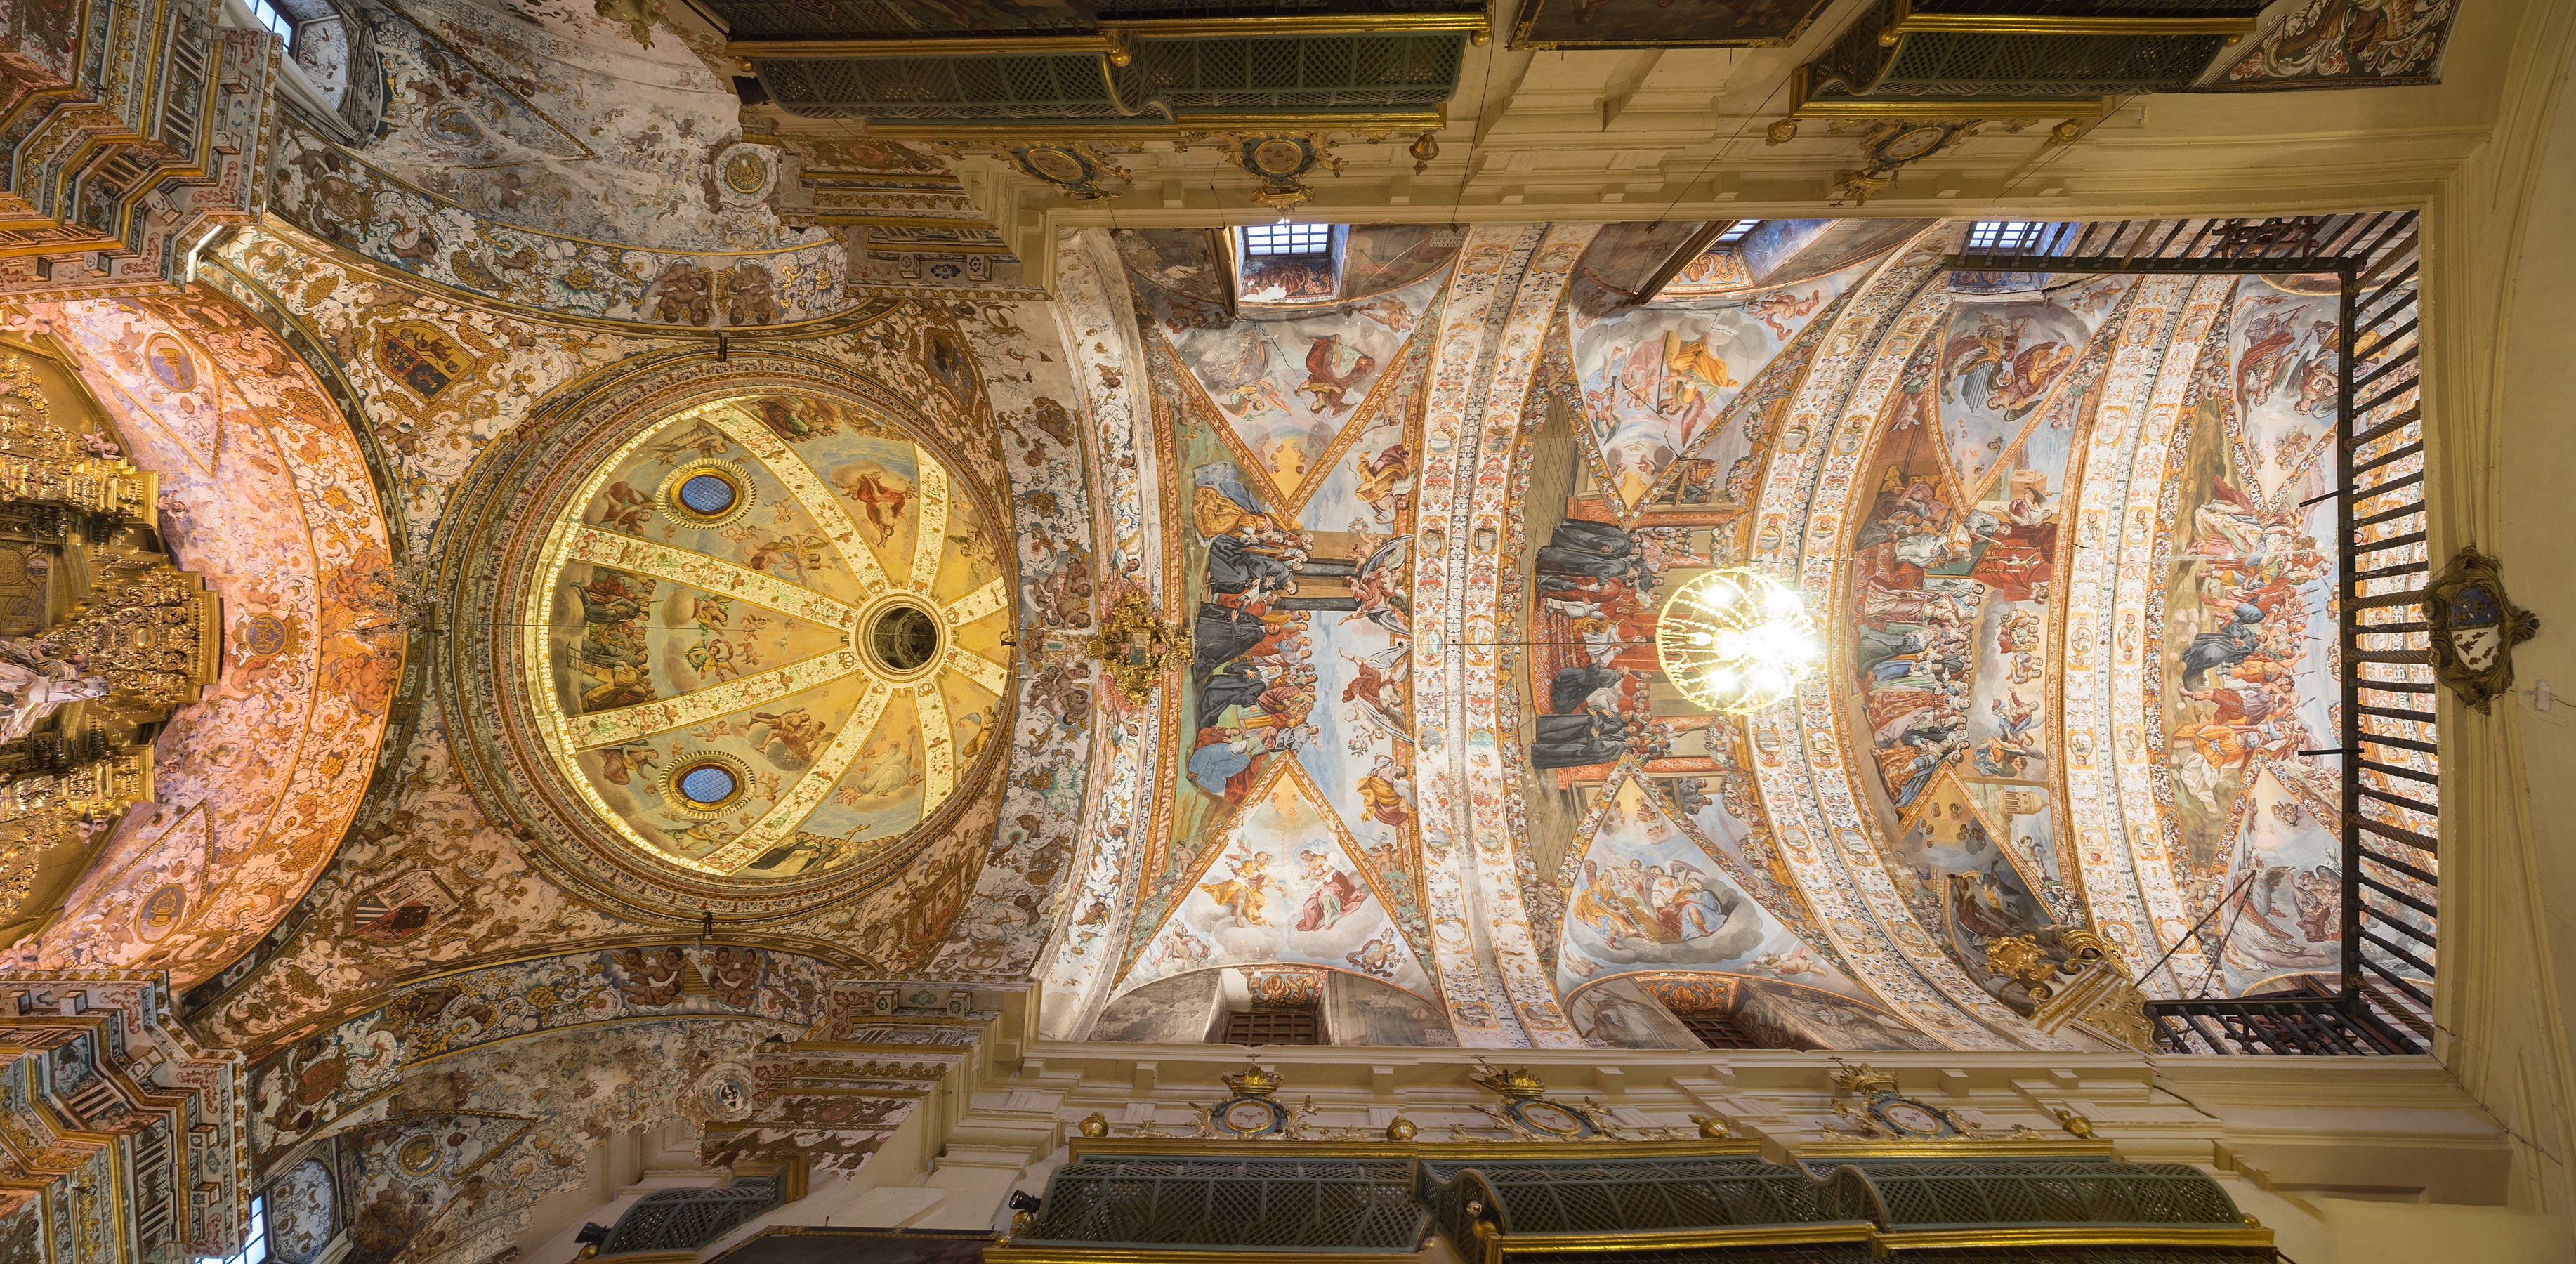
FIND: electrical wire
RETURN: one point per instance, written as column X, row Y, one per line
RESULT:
column 1721, row 149
column 1484, row 98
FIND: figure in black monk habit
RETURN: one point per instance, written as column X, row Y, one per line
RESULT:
column 1596, row 549
column 2224, row 648
column 1573, row 741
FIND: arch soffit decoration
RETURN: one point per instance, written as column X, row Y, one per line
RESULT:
column 269, row 492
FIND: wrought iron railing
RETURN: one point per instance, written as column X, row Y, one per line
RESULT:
column 2391, row 898
column 686, row 1219
column 1358, row 1205
column 1659, row 1209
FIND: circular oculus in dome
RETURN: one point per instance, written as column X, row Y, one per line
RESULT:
column 708, row 785
column 902, row 637
column 707, row 493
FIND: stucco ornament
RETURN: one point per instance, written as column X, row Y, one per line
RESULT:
column 2474, row 628
column 1137, row 649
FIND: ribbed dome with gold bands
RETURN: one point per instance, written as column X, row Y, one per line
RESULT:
column 764, row 632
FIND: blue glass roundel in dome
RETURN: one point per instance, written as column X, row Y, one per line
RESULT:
column 707, row 494
column 707, row 784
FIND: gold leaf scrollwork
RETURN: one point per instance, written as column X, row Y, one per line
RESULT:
column 1135, row 649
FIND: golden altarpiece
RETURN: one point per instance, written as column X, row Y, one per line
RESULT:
column 102, row 635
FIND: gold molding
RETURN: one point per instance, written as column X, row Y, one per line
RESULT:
column 1687, row 1239
column 1084, row 1147
column 1186, row 124
column 1913, row 109
column 1117, row 39
column 1906, row 21
column 1085, row 1253
column 1885, row 1241
column 1965, row 1148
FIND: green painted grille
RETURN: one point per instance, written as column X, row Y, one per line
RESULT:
column 1600, row 1197
column 1922, row 1194
column 895, row 19
column 1301, row 75
column 1217, row 1203
column 1982, row 66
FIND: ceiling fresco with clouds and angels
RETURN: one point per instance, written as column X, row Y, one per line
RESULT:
column 1421, row 497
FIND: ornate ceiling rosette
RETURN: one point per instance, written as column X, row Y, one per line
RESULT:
column 735, row 636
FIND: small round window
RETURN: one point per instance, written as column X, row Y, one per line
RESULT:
column 706, row 493
column 705, row 785
column 708, row 785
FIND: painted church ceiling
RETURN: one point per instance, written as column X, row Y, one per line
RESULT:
column 2061, row 532
column 680, row 586
column 428, row 877
column 799, row 637
column 766, row 643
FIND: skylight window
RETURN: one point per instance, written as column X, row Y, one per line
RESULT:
column 278, row 23
column 2004, row 236
column 1287, row 239
column 1737, row 231
column 255, row 1246
column 1289, row 263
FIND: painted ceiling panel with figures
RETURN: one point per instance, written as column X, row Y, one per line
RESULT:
column 737, row 609
column 2060, row 531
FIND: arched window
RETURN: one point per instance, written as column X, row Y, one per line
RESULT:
column 329, row 77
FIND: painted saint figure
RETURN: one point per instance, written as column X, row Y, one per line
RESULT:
column 1336, row 892
column 1243, row 894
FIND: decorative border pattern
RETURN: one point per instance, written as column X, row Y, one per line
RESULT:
column 1492, row 760
column 2090, row 805
column 1126, row 524
column 1828, row 425
column 1490, row 262
column 2137, row 715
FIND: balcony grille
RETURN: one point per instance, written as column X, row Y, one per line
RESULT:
column 1717, row 1029
column 1296, row 1025
column 1300, row 75
column 686, row 1219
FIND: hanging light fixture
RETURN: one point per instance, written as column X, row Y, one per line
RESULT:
column 1737, row 640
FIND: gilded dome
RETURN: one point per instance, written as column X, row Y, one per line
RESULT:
column 757, row 637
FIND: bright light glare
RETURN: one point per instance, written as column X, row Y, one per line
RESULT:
column 1737, row 640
